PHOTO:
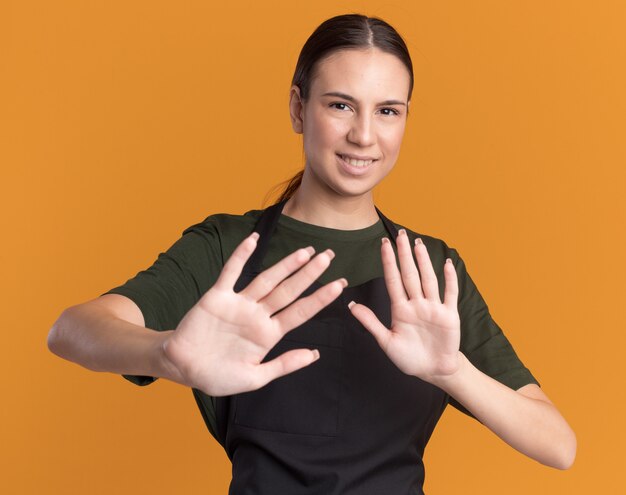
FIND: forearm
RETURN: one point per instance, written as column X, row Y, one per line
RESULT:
column 98, row 340
column 532, row 426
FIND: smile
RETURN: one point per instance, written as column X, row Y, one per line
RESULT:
column 355, row 167
column 356, row 163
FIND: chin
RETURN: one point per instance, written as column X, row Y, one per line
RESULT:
column 356, row 191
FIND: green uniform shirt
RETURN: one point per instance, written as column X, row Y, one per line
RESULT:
column 180, row 276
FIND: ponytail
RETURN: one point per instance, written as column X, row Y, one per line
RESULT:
column 288, row 188
column 291, row 186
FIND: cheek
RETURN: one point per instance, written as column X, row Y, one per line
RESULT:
column 392, row 139
column 319, row 132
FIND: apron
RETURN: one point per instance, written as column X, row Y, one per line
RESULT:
column 350, row 423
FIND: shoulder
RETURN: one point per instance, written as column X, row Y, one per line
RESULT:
column 226, row 224
column 222, row 231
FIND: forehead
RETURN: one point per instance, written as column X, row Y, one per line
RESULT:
column 369, row 73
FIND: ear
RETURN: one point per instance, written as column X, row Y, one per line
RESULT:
column 296, row 109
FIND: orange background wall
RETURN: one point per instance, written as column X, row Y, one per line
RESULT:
column 122, row 123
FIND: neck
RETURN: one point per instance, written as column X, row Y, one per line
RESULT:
column 331, row 211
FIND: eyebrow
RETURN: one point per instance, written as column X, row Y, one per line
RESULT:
column 353, row 99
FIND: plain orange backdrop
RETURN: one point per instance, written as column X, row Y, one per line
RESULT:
column 122, row 123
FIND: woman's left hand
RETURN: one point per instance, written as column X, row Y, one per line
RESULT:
column 425, row 333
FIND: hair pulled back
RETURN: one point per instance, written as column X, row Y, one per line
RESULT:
column 348, row 31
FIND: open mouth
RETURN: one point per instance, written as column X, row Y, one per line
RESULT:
column 356, row 163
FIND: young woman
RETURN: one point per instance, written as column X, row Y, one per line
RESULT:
column 319, row 376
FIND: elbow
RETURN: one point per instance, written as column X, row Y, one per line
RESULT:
column 567, row 452
column 57, row 340
column 54, row 337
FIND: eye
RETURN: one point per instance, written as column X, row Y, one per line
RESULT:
column 389, row 111
column 339, row 106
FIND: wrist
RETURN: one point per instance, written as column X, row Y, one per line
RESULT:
column 449, row 381
column 164, row 367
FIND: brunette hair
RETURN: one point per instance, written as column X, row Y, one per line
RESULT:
column 348, row 31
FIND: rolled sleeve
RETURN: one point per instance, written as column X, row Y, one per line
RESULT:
column 482, row 341
column 169, row 288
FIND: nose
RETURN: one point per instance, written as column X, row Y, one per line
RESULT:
column 362, row 130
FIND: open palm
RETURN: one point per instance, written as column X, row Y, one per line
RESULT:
column 425, row 333
column 219, row 345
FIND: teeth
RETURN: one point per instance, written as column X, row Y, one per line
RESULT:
column 356, row 163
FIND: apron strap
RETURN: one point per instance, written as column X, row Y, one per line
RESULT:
column 391, row 228
column 265, row 227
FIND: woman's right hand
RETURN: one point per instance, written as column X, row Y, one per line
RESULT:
column 219, row 344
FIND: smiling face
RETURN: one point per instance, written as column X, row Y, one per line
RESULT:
column 352, row 121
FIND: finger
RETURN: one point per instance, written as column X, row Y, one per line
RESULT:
column 266, row 281
column 289, row 290
column 286, row 363
column 451, row 292
column 393, row 281
column 307, row 307
column 408, row 268
column 233, row 266
column 371, row 322
column 430, row 286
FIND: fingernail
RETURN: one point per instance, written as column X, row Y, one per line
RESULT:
column 316, row 354
column 254, row 235
column 385, row 240
column 350, row 304
column 310, row 250
column 330, row 253
column 401, row 232
column 418, row 241
column 344, row 282
column 448, row 260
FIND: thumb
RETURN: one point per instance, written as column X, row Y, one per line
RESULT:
column 286, row 363
column 371, row 322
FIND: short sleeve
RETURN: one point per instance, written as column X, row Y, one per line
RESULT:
column 165, row 291
column 482, row 341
